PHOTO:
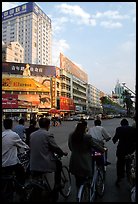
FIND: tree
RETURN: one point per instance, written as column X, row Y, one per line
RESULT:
column 127, row 101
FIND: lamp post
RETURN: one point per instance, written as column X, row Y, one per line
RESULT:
column 128, row 88
column 10, row 99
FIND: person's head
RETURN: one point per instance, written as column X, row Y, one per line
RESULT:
column 7, row 123
column 79, row 132
column 124, row 122
column 97, row 122
column 21, row 121
column 44, row 123
column 33, row 122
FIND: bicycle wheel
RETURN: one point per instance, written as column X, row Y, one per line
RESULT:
column 84, row 193
column 65, row 182
column 100, row 182
column 35, row 192
column 7, row 189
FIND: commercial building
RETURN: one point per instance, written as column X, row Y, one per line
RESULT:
column 31, row 27
column 94, row 102
column 74, row 83
column 28, row 88
column 118, row 90
column 12, row 52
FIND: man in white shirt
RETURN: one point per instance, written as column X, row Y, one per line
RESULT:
column 100, row 134
column 10, row 144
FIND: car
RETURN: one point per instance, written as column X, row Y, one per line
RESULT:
column 70, row 118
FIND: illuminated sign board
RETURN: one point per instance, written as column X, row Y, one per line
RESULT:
column 34, row 69
column 66, row 103
column 69, row 66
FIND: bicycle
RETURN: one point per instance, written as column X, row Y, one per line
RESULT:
column 39, row 187
column 93, row 185
column 10, row 185
column 131, row 174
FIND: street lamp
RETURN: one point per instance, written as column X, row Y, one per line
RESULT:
column 128, row 88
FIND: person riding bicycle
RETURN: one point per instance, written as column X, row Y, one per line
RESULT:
column 125, row 135
column 80, row 145
column 29, row 130
column 11, row 145
column 100, row 134
column 43, row 147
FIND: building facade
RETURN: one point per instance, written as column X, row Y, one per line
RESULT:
column 31, row 27
column 28, row 89
column 118, row 90
column 13, row 52
column 94, row 102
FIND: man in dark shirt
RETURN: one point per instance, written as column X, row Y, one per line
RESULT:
column 126, row 137
column 29, row 130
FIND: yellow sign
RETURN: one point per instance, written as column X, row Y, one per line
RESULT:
column 22, row 84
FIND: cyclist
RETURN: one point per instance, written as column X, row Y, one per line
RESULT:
column 30, row 129
column 11, row 143
column 100, row 134
column 126, row 135
column 20, row 129
column 80, row 145
column 43, row 147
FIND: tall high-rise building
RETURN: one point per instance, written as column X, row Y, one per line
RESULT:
column 119, row 89
column 31, row 27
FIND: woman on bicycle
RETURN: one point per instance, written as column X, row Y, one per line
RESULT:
column 80, row 145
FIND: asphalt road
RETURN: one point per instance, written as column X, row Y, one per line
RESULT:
column 112, row 193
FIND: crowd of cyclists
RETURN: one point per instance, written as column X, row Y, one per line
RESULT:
column 42, row 145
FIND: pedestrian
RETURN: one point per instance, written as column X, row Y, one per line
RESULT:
column 20, row 129
column 42, row 158
column 80, row 145
column 11, row 143
column 125, row 135
column 29, row 130
column 101, row 135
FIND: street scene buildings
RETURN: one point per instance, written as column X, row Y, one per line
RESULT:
column 31, row 85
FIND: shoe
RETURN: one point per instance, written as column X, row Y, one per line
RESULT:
column 107, row 163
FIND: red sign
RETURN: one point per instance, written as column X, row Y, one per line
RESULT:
column 9, row 101
column 66, row 103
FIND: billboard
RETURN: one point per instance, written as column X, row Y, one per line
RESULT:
column 26, row 101
column 30, row 69
column 9, row 101
column 69, row 66
column 24, row 84
column 66, row 103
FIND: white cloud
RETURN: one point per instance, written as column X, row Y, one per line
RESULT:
column 57, row 47
column 81, row 17
column 58, row 24
column 111, row 15
column 110, row 24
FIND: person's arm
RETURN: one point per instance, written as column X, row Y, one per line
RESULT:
column 105, row 135
column 54, row 147
column 116, row 136
column 18, row 142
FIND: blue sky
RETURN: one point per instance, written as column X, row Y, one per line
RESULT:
column 100, row 37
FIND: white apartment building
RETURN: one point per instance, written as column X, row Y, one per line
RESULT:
column 13, row 52
column 31, row 27
column 94, row 102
